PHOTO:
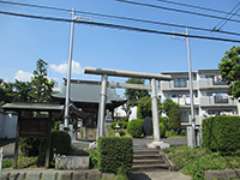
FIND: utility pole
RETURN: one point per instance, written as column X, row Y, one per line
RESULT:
column 191, row 127
column 69, row 72
column 1, row 160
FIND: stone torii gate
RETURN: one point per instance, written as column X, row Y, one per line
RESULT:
column 152, row 77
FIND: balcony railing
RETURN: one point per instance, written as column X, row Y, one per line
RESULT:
column 171, row 86
column 217, row 100
column 209, row 83
column 185, row 101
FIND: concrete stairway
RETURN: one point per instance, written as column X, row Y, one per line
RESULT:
column 145, row 159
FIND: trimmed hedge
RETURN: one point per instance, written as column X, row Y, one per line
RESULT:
column 114, row 153
column 60, row 142
column 163, row 122
column 135, row 128
column 221, row 133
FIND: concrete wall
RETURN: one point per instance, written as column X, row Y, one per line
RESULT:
column 52, row 174
column 8, row 126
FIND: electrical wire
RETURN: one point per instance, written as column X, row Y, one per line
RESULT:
column 232, row 13
column 196, row 7
column 117, row 26
column 177, row 10
column 120, row 17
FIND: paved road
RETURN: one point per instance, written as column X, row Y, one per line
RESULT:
column 176, row 141
column 159, row 175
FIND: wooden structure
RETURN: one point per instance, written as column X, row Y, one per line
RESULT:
column 85, row 97
column 34, row 120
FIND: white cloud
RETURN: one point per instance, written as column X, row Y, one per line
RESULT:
column 62, row 68
column 23, row 75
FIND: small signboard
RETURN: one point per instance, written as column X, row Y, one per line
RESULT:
column 35, row 127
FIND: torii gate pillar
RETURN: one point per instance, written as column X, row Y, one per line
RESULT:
column 155, row 113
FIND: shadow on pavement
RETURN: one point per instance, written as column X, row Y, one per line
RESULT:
column 138, row 176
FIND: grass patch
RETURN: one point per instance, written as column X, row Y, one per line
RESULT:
column 23, row 162
column 196, row 161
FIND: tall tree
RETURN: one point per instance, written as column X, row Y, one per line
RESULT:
column 42, row 87
column 174, row 114
column 230, row 70
column 134, row 95
column 22, row 91
column 6, row 92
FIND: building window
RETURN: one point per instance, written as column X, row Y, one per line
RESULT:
column 180, row 82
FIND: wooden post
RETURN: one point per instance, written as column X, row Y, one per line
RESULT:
column 48, row 149
column 16, row 142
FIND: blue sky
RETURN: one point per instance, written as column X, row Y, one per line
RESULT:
column 23, row 41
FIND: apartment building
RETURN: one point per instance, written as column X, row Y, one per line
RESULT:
column 210, row 94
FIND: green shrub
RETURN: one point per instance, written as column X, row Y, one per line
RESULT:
column 211, row 161
column 122, row 124
column 135, row 128
column 183, row 155
column 94, row 158
column 7, row 163
column 25, row 162
column 30, row 146
column 221, row 133
column 163, row 126
column 174, row 115
column 195, row 161
column 61, row 142
column 115, row 153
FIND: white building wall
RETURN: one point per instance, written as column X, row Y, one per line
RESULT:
column 133, row 114
column 8, row 126
column 206, row 91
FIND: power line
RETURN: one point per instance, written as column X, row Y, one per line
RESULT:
column 196, row 7
column 117, row 26
column 120, row 17
column 233, row 12
column 177, row 10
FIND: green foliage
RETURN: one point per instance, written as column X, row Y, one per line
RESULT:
column 196, row 161
column 174, row 115
column 41, row 85
column 94, row 158
column 61, row 142
column 144, row 107
column 30, row 146
column 39, row 89
column 135, row 128
column 22, row 91
column 115, row 153
column 121, row 174
column 163, row 126
column 134, row 95
column 7, row 163
column 123, row 123
column 221, row 133
column 25, row 162
column 183, row 155
column 230, row 70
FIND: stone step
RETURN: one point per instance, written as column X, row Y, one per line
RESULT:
column 144, row 151
column 148, row 161
column 147, row 167
column 146, row 156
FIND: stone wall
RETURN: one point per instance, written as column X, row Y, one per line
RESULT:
column 222, row 174
column 51, row 174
